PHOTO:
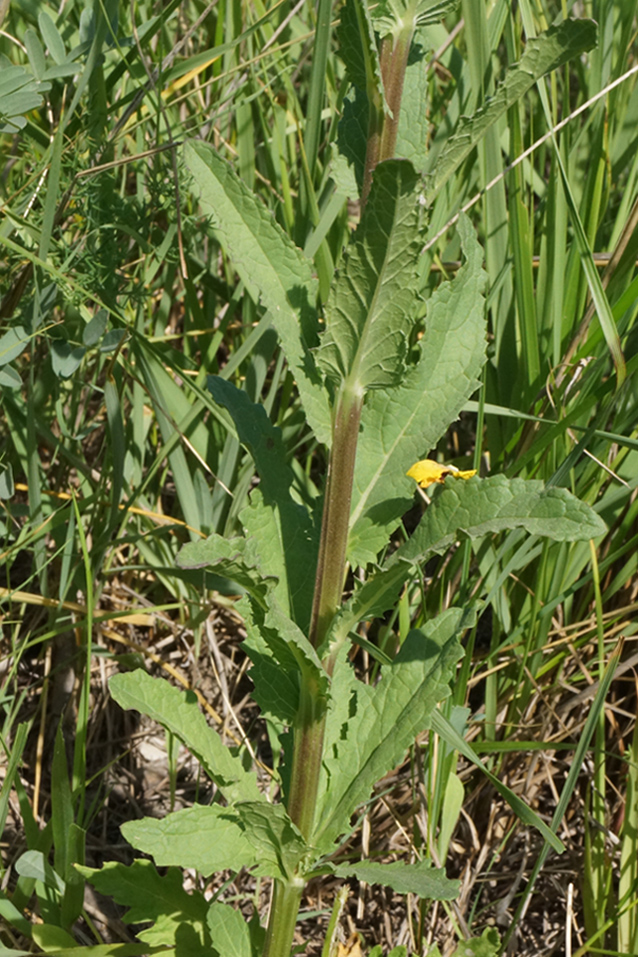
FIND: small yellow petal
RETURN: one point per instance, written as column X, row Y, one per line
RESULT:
column 427, row 472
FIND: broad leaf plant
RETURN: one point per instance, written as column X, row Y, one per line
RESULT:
column 381, row 373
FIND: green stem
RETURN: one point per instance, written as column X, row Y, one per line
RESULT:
column 394, row 62
column 383, row 127
column 331, row 564
column 283, row 917
column 311, row 716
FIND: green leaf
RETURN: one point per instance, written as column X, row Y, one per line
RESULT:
column 274, row 671
column 450, row 735
column 13, row 343
column 281, row 654
column 478, row 507
column 413, row 134
column 34, row 864
column 7, row 485
column 487, row 945
column 399, row 426
column 95, row 329
column 371, row 600
column 52, row 38
column 391, row 16
column 358, row 50
column 280, row 530
column 229, row 932
column 51, row 938
column 35, row 52
column 272, row 268
column 230, row 557
column 278, row 843
column 112, row 340
column 179, row 713
column 65, row 358
column 150, row 897
column 422, row 878
column 543, row 54
column 218, row 838
column 369, row 729
column 374, row 301
column 10, row 378
column 51, row 941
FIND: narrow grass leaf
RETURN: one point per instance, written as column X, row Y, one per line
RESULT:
column 568, row 788
column 450, row 735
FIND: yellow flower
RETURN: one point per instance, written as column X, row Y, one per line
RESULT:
column 427, row 472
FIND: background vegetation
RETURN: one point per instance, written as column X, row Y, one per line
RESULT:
column 116, row 306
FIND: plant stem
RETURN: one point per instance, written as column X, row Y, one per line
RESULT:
column 283, row 917
column 382, row 126
column 394, row 61
column 336, row 513
column 311, row 715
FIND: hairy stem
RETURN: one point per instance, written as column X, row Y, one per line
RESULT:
column 311, row 716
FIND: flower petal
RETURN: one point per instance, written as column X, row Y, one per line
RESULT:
column 427, row 472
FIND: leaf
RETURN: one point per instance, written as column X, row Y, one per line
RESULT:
column 35, row 52
column 229, row 932
column 7, row 485
column 542, row 54
column 390, row 16
column 371, row 600
column 65, row 359
column 398, row 426
column 95, row 329
column 485, row 506
column 373, row 303
column 230, row 557
column 450, row 735
column 358, row 50
column 352, row 133
column 34, row 864
column 52, row 939
column 413, row 134
column 272, row 268
column 149, row 896
column 179, row 713
column 13, row 343
column 274, row 837
column 281, row 654
column 274, row 671
column 52, row 38
column 422, row 878
column 112, row 340
column 280, row 530
column 10, row 378
column 216, row 838
column 368, row 730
